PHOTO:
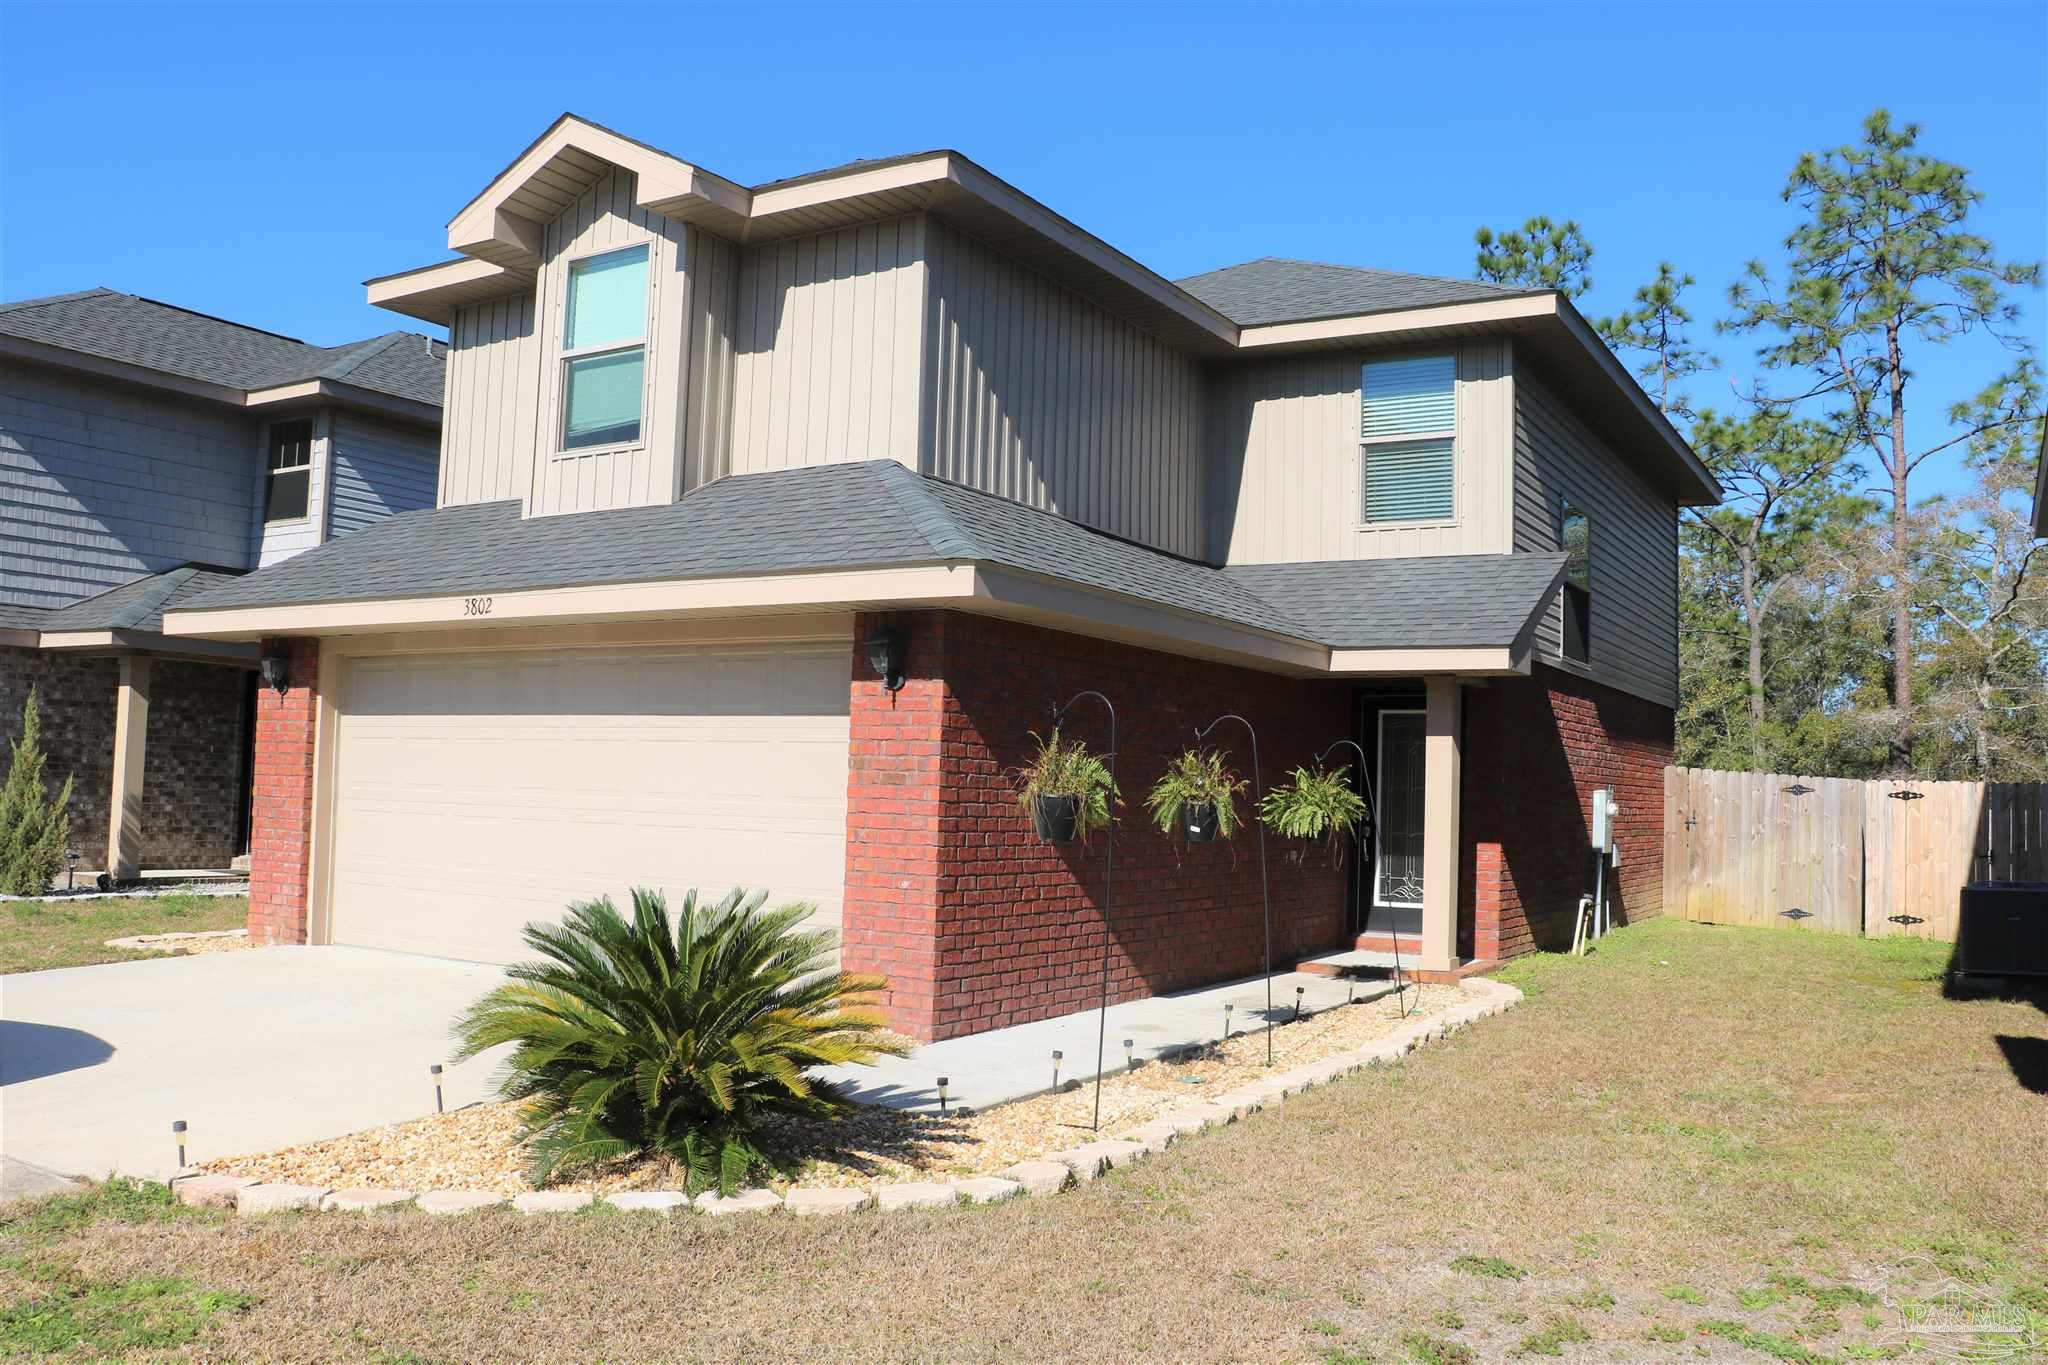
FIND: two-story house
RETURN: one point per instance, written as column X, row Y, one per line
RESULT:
column 774, row 520
column 147, row 453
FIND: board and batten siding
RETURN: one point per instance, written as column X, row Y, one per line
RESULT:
column 1634, row 554
column 375, row 469
column 1284, row 460
column 606, row 218
column 101, row 483
column 491, row 402
column 1036, row 394
column 826, row 348
column 712, row 276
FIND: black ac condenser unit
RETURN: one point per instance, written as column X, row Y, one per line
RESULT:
column 2003, row 929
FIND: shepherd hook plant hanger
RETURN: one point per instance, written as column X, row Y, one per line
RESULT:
column 1372, row 815
column 1265, row 891
column 1108, row 891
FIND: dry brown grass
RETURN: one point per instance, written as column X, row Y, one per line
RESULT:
column 1693, row 1112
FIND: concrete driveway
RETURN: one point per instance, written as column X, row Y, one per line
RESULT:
column 254, row 1050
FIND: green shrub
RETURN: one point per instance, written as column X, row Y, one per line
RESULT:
column 35, row 832
column 1067, row 768
column 1313, row 805
column 673, row 1035
column 1197, row 777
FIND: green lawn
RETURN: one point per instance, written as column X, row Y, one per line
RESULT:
column 36, row 935
column 1698, row 1144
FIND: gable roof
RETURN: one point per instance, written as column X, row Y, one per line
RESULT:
column 161, row 337
column 1274, row 289
column 878, row 514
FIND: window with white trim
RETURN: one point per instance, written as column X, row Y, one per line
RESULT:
column 1407, row 440
column 288, row 463
column 604, row 349
column 1575, row 538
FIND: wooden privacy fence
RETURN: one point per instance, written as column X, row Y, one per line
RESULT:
column 1874, row 858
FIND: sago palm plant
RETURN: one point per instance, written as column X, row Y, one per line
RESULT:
column 672, row 1034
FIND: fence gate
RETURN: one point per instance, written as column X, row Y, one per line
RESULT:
column 1764, row 848
column 1879, row 858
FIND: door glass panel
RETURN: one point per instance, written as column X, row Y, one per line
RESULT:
column 1397, row 879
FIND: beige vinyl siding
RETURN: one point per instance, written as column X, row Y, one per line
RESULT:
column 1634, row 562
column 102, row 482
column 711, row 317
column 827, row 348
column 605, row 218
column 492, row 397
column 1036, row 394
column 1284, row 460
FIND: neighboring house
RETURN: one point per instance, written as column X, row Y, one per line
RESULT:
column 714, row 453
column 146, row 454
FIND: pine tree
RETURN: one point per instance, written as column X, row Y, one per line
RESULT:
column 1540, row 255
column 35, row 831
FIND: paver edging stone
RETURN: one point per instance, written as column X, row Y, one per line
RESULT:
column 365, row 1200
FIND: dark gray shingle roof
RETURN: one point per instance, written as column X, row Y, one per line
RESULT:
column 174, row 341
column 1272, row 289
column 877, row 513
column 1443, row 601
column 14, row 616
column 139, row 605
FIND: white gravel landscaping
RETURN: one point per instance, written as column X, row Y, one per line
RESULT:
column 1042, row 1174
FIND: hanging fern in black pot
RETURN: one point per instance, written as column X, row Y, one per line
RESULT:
column 1196, row 798
column 1314, row 805
column 1066, row 789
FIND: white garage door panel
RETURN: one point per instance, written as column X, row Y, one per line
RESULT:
column 475, row 793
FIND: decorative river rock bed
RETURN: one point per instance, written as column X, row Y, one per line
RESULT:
column 874, row 1158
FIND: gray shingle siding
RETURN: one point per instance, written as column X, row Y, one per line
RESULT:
column 376, row 470
column 1272, row 289
column 102, row 482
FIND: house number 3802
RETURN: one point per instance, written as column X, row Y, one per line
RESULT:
column 476, row 606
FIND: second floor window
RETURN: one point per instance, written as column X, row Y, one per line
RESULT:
column 1575, row 538
column 288, row 487
column 1407, row 439
column 604, row 349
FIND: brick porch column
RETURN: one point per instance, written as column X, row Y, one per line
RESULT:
column 281, row 804
column 889, row 925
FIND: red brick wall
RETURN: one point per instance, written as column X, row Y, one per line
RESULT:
column 281, row 807
column 974, row 921
column 1535, row 750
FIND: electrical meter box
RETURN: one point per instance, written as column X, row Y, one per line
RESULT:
column 1604, row 812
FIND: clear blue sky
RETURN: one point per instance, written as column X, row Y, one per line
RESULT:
column 260, row 162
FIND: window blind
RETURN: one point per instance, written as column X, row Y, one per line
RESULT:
column 1408, row 481
column 1410, row 397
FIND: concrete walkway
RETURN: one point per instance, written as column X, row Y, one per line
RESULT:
column 1011, row 1063
column 254, row 1050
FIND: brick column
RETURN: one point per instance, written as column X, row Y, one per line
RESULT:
column 893, row 808
column 281, row 805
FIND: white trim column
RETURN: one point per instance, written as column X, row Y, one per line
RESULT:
column 124, row 801
column 1441, row 784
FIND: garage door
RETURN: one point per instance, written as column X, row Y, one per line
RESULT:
column 478, row 792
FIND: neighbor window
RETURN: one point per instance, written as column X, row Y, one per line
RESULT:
column 1575, row 538
column 604, row 351
column 1397, row 870
column 1406, row 453
column 290, row 465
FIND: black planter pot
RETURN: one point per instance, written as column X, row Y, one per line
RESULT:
column 1056, row 818
column 1198, row 821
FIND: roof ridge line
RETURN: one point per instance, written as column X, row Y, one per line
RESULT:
column 50, row 300
column 926, row 512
